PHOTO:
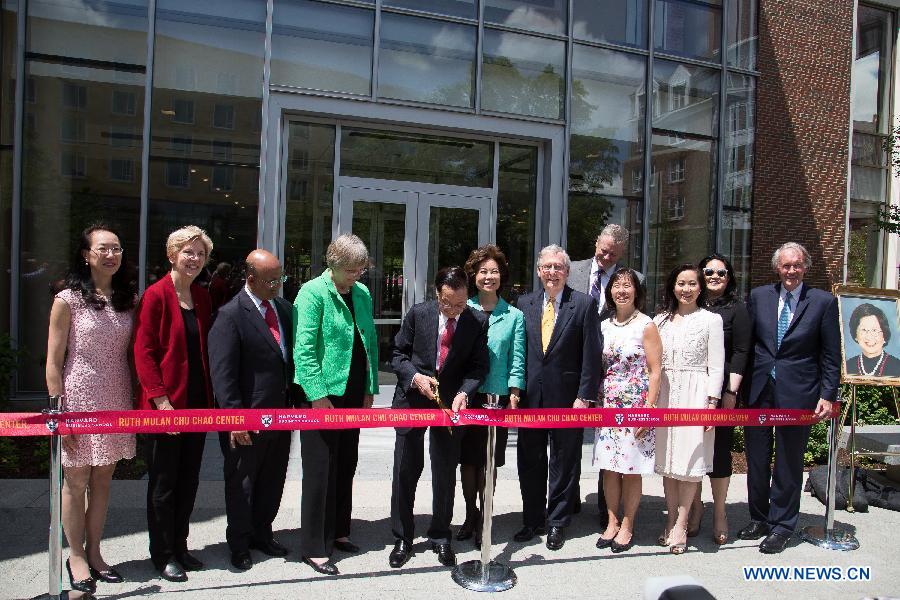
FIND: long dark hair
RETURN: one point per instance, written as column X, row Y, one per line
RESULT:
column 79, row 276
column 670, row 301
column 727, row 297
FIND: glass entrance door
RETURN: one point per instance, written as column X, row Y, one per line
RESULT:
column 410, row 235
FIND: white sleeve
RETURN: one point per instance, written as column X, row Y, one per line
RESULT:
column 715, row 356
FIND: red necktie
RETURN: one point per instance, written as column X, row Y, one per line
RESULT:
column 446, row 340
column 272, row 321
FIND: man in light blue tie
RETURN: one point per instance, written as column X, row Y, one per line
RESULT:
column 797, row 356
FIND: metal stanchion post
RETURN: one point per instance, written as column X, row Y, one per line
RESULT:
column 828, row 537
column 486, row 575
column 54, row 589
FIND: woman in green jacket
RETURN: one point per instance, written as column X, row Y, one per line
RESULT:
column 336, row 364
column 488, row 272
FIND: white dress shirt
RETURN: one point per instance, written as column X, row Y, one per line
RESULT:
column 262, row 311
column 795, row 296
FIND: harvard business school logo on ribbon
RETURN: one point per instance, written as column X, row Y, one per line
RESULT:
column 266, row 421
column 762, row 419
column 619, row 418
column 52, row 424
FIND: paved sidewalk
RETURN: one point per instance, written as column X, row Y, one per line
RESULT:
column 578, row 570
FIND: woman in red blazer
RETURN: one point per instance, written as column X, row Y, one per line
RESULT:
column 171, row 324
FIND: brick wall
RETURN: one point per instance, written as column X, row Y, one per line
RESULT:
column 802, row 125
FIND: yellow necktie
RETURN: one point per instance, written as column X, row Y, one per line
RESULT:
column 547, row 322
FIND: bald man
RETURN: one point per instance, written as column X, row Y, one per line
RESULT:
column 251, row 367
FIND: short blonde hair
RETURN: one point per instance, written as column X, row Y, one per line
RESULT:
column 347, row 251
column 180, row 238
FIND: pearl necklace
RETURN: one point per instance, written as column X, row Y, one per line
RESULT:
column 626, row 322
column 876, row 369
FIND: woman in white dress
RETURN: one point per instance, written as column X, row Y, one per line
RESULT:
column 692, row 373
column 632, row 357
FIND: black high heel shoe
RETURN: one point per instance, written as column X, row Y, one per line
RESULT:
column 110, row 575
column 88, row 586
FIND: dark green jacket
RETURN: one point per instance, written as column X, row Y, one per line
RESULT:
column 323, row 337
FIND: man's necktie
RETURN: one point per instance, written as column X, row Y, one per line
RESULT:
column 547, row 322
column 272, row 321
column 784, row 321
column 446, row 340
column 596, row 291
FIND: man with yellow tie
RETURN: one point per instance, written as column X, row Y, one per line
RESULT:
column 564, row 350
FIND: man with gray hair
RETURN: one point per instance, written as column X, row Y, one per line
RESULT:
column 797, row 352
column 563, row 353
column 590, row 276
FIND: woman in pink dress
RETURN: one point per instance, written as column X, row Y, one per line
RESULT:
column 87, row 367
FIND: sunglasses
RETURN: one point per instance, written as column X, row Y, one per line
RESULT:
column 711, row 272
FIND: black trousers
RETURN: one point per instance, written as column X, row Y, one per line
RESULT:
column 329, row 461
column 549, row 482
column 254, row 482
column 776, row 503
column 409, row 460
column 173, row 464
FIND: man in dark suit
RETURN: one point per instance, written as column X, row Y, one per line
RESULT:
column 797, row 356
column 564, row 348
column 250, row 366
column 591, row 276
column 441, row 344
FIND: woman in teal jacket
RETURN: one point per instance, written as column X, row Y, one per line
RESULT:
column 336, row 364
column 488, row 272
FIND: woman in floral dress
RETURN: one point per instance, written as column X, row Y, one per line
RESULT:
column 632, row 357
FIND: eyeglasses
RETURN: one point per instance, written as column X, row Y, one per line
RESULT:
column 871, row 332
column 276, row 282
column 107, row 251
column 552, row 267
column 452, row 307
column 711, row 272
column 356, row 272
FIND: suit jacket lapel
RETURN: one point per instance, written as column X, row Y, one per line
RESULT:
column 285, row 314
column 562, row 319
column 258, row 322
column 802, row 305
column 431, row 325
column 769, row 306
column 532, row 312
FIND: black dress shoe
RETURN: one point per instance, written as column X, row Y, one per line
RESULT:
column 110, row 575
column 348, row 546
column 270, row 548
column 400, row 554
column 189, row 561
column 326, row 568
column 602, row 542
column 528, row 532
column 468, row 528
column 241, row 560
column 88, row 586
column 774, row 543
column 173, row 572
column 445, row 553
column 556, row 537
column 616, row 547
column 754, row 531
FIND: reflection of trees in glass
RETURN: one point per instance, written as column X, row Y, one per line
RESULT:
column 505, row 89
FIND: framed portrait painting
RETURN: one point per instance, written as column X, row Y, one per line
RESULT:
column 870, row 335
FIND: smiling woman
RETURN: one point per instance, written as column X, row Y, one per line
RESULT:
column 871, row 330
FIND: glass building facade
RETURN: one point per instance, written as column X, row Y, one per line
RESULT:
column 427, row 128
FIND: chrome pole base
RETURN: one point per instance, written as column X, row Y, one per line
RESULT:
column 835, row 539
column 471, row 576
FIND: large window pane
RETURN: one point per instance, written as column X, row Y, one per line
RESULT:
column 309, row 199
column 606, row 157
column 870, row 93
column 742, row 33
column 416, row 157
column 865, row 255
column 613, row 21
column 322, row 46
column 517, row 195
column 81, row 166
column 426, row 60
column 685, row 98
column 107, row 31
column 543, row 16
column 466, row 9
column 523, row 75
column 682, row 206
column 207, row 75
column 740, row 108
column 688, row 28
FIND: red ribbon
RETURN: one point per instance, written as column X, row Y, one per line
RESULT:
column 163, row 421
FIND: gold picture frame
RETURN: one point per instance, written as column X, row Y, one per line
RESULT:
column 869, row 309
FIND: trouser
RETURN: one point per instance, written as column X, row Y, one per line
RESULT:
column 254, row 482
column 774, row 495
column 549, row 481
column 409, row 458
column 173, row 464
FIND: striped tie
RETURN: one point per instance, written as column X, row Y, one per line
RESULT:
column 784, row 320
